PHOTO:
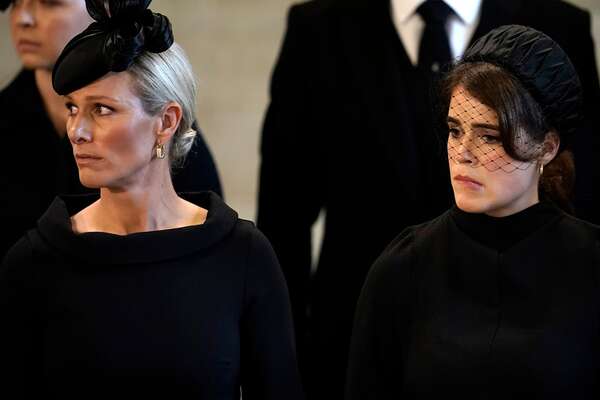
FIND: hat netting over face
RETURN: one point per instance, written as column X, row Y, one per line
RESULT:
column 512, row 86
column 474, row 137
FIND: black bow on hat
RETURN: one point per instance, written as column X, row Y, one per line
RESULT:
column 123, row 30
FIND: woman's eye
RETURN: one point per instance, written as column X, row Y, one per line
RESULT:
column 72, row 108
column 490, row 139
column 453, row 132
column 102, row 109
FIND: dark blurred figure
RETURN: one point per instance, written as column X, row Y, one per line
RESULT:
column 350, row 130
column 37, row 162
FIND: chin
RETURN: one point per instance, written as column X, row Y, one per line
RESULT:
column 91, row 182
column 32, row 61
column 470, row 205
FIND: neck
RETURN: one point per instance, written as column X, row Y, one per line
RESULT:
column 53, row 102
column 146, row 206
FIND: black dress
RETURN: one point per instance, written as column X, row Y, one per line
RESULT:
column 194, row 312
column 478, row 307
column 37, row 164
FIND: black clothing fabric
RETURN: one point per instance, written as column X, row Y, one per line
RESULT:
column 443, row 314
column 349, row 120
column 502, row 233
column 434, row 47
column 38, row 164
column 193, row 312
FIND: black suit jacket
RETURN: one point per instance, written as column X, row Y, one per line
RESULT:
column 349, row 130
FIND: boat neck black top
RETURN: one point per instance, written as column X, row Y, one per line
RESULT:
column 200, row 311
column 473, row 307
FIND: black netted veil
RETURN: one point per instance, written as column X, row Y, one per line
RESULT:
column 498, row 64
column 123, row 29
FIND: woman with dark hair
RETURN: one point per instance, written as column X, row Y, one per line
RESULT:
column 33, row 118
column 498, row 297
column 140, row 291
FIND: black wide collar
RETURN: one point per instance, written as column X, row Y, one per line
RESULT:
column 106, row 248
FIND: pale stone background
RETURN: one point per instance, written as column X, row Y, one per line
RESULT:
column 233, row 45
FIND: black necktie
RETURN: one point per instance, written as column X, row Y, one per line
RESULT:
column 434, row 50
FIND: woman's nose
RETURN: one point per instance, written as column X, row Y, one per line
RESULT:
column 465, row 151
column 79, row 131
column 25, row 13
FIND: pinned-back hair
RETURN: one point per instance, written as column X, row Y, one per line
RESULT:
column 163, row 77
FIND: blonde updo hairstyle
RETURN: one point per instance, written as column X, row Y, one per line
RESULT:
column 160, row 78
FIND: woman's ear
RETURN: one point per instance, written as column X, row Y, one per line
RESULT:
column 170, row 119
column 550, row 147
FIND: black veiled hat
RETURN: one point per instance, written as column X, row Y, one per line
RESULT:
column 540, row 65
column 123, row 29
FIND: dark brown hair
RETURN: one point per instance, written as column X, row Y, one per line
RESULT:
column 519, row 116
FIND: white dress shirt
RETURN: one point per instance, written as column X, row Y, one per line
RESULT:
column 460, row 26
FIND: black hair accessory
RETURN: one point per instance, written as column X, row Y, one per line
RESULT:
column 123, row 30
column 540, row 65
column 4, row 4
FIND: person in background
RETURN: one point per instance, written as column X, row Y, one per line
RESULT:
column 499, row 297
column 33, row 118
column 349, row 131
column 140, row 292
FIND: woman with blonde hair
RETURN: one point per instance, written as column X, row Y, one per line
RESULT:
column 32, row 112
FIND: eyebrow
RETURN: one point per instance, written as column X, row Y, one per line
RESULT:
column 475, row 125
column 95, row 98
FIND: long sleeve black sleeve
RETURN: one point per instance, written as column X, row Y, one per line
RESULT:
column 269, row 368
column 18, row 323
column 380, row 325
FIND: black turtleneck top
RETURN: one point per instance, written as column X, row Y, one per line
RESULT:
column 195, row 312
column 472, row 306
column 500, row 233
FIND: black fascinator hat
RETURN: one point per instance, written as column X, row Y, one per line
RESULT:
column 123, row 29
column 4, row 4
column 541, row 66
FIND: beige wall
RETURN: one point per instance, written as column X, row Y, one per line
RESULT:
column 232, row 45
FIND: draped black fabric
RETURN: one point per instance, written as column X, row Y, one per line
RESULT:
column 466, row 307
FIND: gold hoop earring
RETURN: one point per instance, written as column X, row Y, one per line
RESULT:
column 541, row 168
column 160, row 151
